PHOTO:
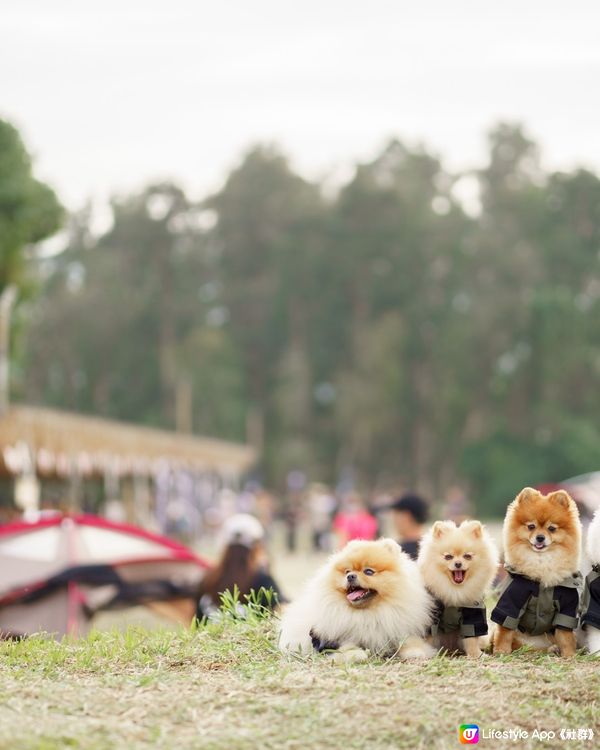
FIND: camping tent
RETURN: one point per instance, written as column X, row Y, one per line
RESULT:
column 584, row 489
column 57, row 572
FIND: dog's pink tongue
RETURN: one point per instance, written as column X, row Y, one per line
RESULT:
column 354, row 595
column 458, row 576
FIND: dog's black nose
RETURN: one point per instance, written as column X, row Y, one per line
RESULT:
column 351, row 577
column 458, row 565
column 540, row 538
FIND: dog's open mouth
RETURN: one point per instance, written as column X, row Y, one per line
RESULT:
column 357, row 595
column 539, row 546
column 458, row 576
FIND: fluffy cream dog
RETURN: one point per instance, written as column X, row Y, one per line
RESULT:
column 591, row 607
column 458, row 564
column 368, row 598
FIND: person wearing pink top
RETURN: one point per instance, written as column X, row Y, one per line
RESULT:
column 354, row 522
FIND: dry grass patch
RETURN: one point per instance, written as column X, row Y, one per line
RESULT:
column 227, row 687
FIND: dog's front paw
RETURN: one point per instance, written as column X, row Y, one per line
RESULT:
column 349, row 655
column 416, row 648
column 472, row 648
column 566, row 641
column 593, row 640
column 503, row 641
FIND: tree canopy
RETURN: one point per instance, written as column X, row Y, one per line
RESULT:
column 383, row 331
column 29, row 209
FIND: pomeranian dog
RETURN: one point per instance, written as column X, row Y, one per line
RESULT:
column 591, row 601
column 539, row 603
column 368, row 598
column 458, row 565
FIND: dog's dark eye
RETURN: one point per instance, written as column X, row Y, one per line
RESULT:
column 448, row 556
column 468, row 556
column 531, row 526
column 369, row 572
column 552, row 529
column 347, row 571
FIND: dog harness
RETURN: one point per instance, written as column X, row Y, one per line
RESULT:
column 469, row 620
column 534, row 609
column 320, row 644
column 590, row 602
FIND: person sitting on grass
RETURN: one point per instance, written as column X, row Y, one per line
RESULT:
column 242, row 565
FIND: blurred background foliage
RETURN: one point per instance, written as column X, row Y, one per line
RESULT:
column 29, row 210
column 392, row 329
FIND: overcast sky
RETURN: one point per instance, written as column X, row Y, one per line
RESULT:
column 110, row 94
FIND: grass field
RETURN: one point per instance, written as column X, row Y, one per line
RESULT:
column 225, row 687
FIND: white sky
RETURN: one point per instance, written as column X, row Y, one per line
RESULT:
column 111, row 94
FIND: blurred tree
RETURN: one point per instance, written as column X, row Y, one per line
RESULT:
column 263, row 241
column 401, row 231
column 29, row 213
column 381, row 332
column 124, row 315
column 29, row 209
column 536, row 258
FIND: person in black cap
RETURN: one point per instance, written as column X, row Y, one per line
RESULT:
column 409, row 514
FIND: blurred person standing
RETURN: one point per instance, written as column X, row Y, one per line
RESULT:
column 457, row 506
column 292, row 506
column 321, row 507
column 410, row 513
column 354, row 522
column 290, row 513
column 265, row 510
column 243, row 563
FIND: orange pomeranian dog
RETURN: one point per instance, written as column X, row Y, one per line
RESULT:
column 539, row 602
column 368, row 598
column 458, row 564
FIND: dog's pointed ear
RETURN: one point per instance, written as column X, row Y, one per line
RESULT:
column 473, row 527
column 561, row 497
column 390, row 544
column 526, row 494
column 439, row 528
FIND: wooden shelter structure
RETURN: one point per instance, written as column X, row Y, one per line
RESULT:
column 47, row 445
column 61, row 441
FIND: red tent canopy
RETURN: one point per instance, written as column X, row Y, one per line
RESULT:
column 57, row 572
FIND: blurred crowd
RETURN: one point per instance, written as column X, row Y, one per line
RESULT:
column 239, row 531
column 315, row 521
column 335, row 518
